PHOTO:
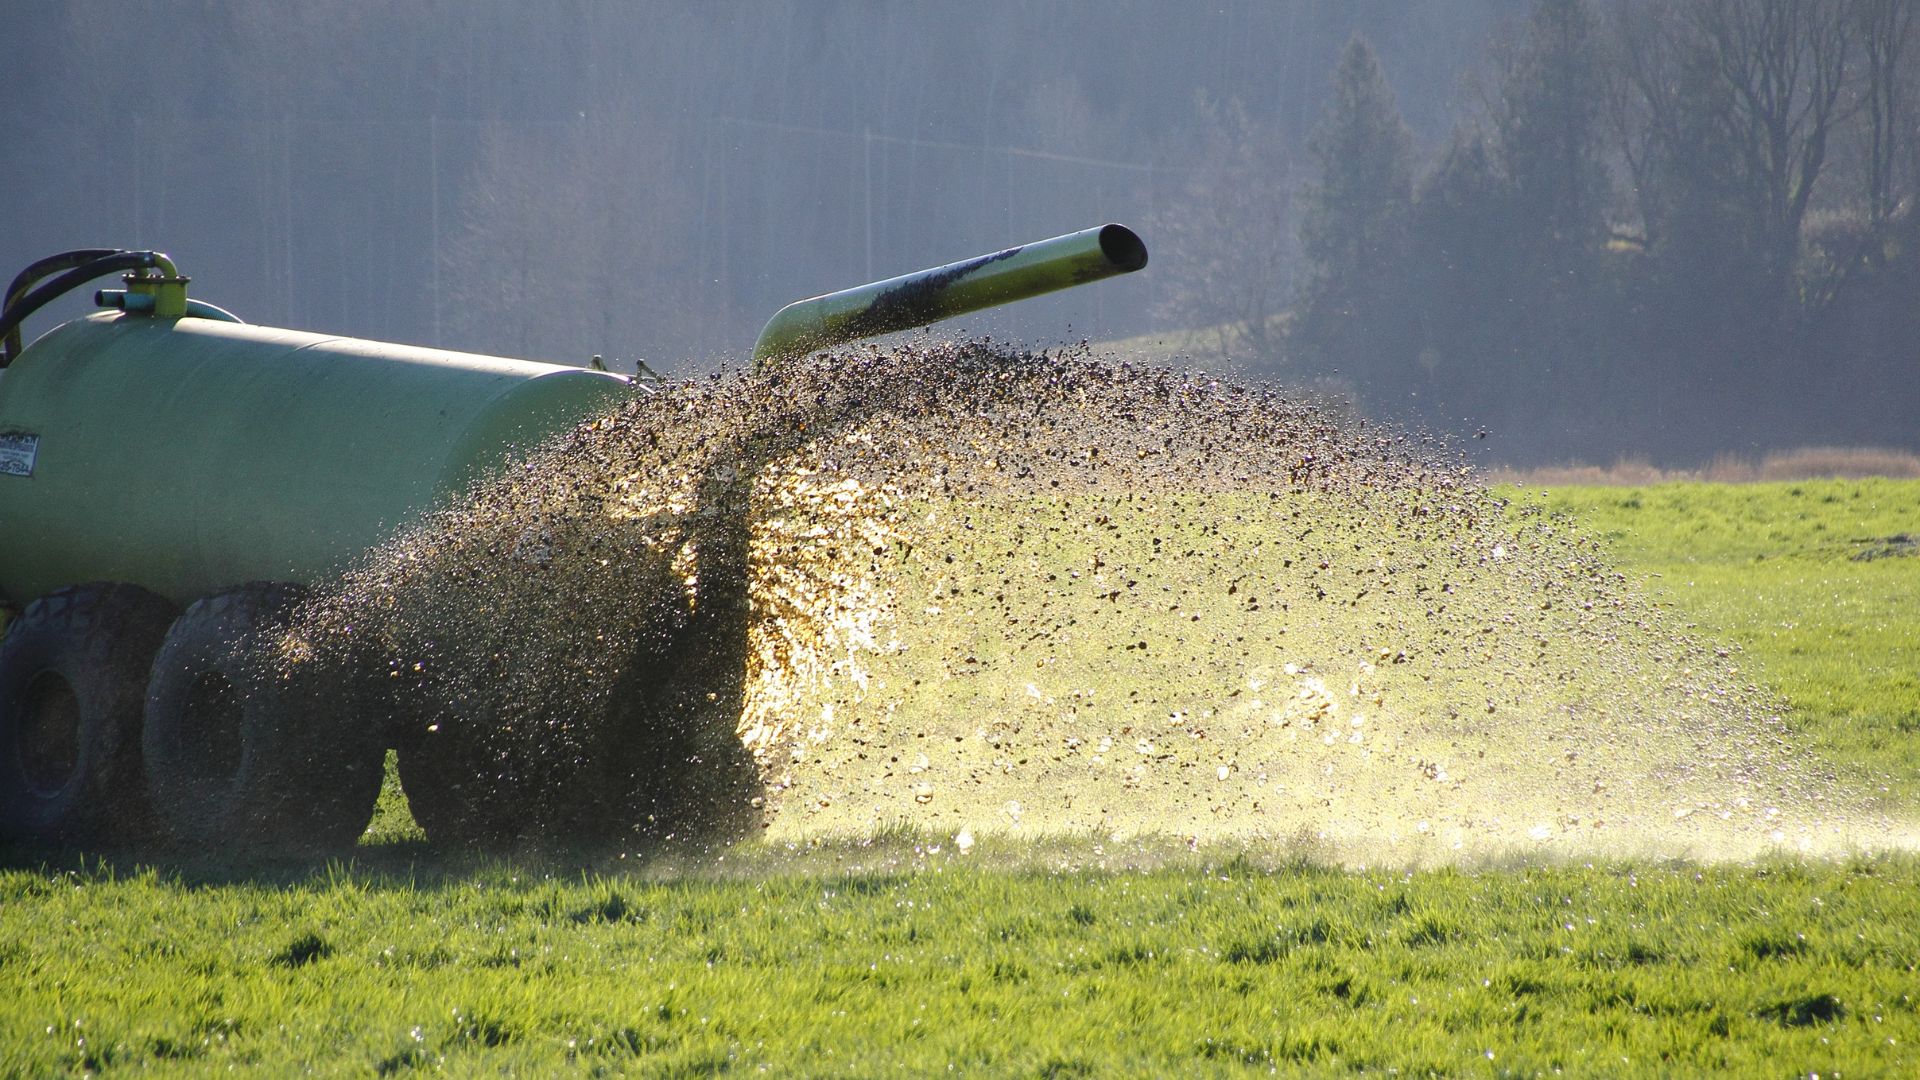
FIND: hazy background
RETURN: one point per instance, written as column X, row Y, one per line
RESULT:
column 1591, row 229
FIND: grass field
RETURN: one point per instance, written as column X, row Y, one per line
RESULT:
column 1184, row 970
column 1807, row 577
column 903, row 956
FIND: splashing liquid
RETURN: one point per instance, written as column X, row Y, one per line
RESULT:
column 969, row 590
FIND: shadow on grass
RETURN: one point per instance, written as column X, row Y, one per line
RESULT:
column 401, row 861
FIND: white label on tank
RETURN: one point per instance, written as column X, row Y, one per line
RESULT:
column 17, row 451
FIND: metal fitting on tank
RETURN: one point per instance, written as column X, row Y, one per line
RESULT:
column 143, row 304
column 163, row 295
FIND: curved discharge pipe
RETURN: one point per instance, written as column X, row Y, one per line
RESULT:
column 917, row 299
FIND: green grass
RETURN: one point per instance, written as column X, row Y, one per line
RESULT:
column 1185, row 970
column 1776, row 570
column 899, row 956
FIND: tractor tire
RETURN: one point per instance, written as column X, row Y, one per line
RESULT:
column 73, row 676
column 249, row 752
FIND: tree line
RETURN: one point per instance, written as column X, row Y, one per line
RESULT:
column 644, row 178
column 1669, row 224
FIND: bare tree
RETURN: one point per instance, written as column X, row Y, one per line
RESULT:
column 1227, row 242
column 1640, row 99
column 1854, row 232
column 1783, row 64
column 1886, row 29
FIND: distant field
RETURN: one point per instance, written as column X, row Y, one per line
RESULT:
column 902, row 956
column 1810, row 578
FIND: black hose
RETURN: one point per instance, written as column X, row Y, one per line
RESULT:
column 20, row 306
column 53, row 264
column 27, row 278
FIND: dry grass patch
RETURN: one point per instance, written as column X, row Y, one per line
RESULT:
column 1802, row 463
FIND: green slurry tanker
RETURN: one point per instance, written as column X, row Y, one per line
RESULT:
column 172, row 481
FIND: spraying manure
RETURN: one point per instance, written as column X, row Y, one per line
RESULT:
column 972, row 590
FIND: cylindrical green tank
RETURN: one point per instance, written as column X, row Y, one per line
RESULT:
column 190, row 455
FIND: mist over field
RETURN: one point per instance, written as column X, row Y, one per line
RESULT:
column 1586, row 228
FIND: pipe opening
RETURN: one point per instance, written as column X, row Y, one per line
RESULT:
column 1123, row 248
